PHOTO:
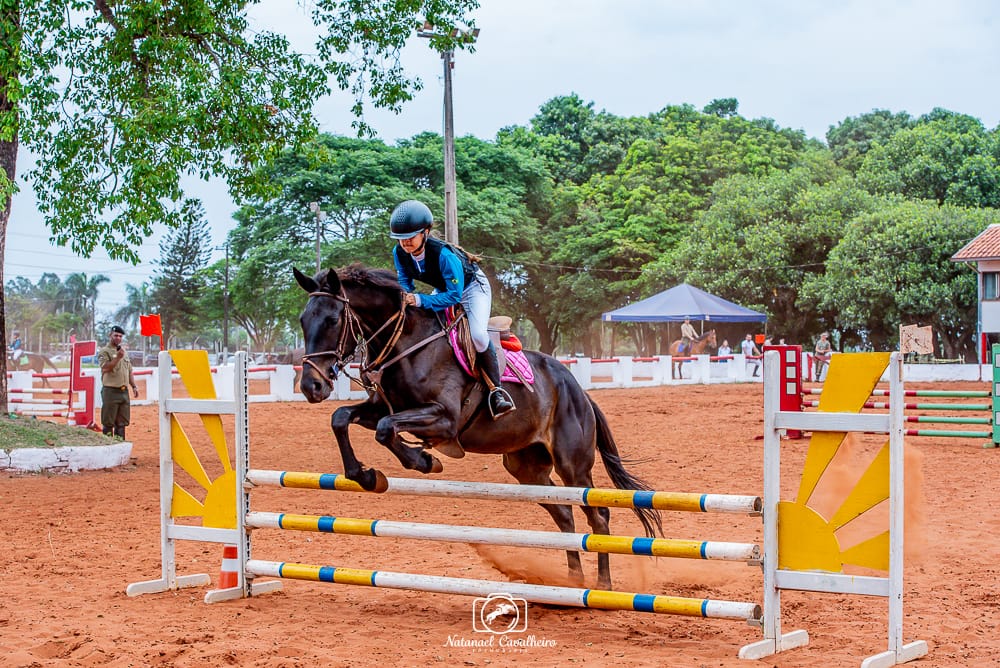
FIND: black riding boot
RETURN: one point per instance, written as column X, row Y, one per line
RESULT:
column 120, row 432
column 499, row 401
column 107, row 430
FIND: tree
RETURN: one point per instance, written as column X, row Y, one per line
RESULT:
column 137, row 302
column 945, row 157
column 892, row 267
column 624, row 221
column 120, row 100
column 851, row 139
column 723, row 108
column 177, row 286
column 763, row 237
column 83, row 292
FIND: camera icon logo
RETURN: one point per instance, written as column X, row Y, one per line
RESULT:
column 499, row 614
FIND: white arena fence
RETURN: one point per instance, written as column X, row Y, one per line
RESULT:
column 277, row 382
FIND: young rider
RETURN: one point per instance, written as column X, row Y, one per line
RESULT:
column 455, row 277
column 16, row 348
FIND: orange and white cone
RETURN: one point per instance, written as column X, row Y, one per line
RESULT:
column 229, row 574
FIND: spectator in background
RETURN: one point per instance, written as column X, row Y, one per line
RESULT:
column 821, row 354
column 116, row 378
column 750, row 350
column 725, row 350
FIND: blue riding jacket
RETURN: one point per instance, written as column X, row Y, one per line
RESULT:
column 442, row 268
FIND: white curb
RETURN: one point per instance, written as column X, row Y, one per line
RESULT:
column 69, row 459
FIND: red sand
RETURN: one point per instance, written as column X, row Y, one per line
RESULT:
column 70, row 545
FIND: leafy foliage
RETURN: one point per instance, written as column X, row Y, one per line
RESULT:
column 892, row 267
column 177, row 284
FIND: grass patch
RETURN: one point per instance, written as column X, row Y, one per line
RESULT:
column 18, row 431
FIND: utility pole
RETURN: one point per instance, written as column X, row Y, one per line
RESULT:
column 225, row 311
column 450, row 196
column 450, row 185
column 225, row 306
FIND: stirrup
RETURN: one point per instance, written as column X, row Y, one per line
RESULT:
column 498, row 395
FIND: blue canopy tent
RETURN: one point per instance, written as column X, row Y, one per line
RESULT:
column 683, row 301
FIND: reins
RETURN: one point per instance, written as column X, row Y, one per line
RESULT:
column 370, row 376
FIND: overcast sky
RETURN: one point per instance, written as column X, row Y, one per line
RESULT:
column 806, row 64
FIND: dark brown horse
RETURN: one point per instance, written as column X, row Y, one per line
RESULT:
column 703, row 345
column 416, row 386
column 35, row 362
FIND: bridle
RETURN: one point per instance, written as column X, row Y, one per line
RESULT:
column 351, row 327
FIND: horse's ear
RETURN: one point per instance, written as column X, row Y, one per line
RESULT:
column 330, row 281
column 307, row 284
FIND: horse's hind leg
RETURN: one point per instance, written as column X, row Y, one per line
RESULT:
column 574, row 469
column 533, row 466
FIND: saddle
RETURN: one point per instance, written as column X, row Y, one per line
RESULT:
column 513, row 363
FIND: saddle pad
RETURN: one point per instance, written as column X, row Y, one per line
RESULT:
column 515, row 360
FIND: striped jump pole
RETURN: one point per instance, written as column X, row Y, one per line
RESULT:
column 580, row 598
column 913, row 406
column 25, row 390
column 29, row 413
column 34, row 400
column 651, row 547
column 981, row 394
column 575, row 496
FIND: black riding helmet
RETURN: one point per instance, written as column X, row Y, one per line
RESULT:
column 409, row 218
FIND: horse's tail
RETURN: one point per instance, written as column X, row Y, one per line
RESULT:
column 46, row 359
column 621, row 478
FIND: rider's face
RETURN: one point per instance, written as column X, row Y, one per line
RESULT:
column 414, row 243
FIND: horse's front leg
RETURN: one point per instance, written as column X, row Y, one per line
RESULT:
column 428, row 422
column 367, row 415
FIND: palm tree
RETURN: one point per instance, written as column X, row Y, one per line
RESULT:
column 137, row 300
column 83, row 292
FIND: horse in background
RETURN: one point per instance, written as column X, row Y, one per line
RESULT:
column 34, row 362
column 703, row 345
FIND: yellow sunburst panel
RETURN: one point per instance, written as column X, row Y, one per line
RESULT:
column 219, row 507
column 807, row 541
column 196, row 374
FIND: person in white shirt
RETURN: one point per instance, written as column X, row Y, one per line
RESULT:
column 749, row 349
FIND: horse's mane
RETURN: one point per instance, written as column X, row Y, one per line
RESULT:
column 358, row 274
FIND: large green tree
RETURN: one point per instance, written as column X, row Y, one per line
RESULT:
column 118, row 101
column 945, row 157
column 852, row 138
column 763, row 237
column 892, row 267
column 623, row 221
column 177, row 285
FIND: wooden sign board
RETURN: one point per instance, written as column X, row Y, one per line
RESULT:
column 913, row 339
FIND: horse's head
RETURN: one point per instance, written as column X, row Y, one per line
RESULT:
column 324, row 329
column 711, row 339
column 347, row 311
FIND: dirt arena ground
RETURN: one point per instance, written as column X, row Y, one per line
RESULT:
column 70, row 544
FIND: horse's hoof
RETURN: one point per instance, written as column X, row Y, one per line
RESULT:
column 604, row 584
column 372, row 480
column 381, row 483
column 436, row 465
